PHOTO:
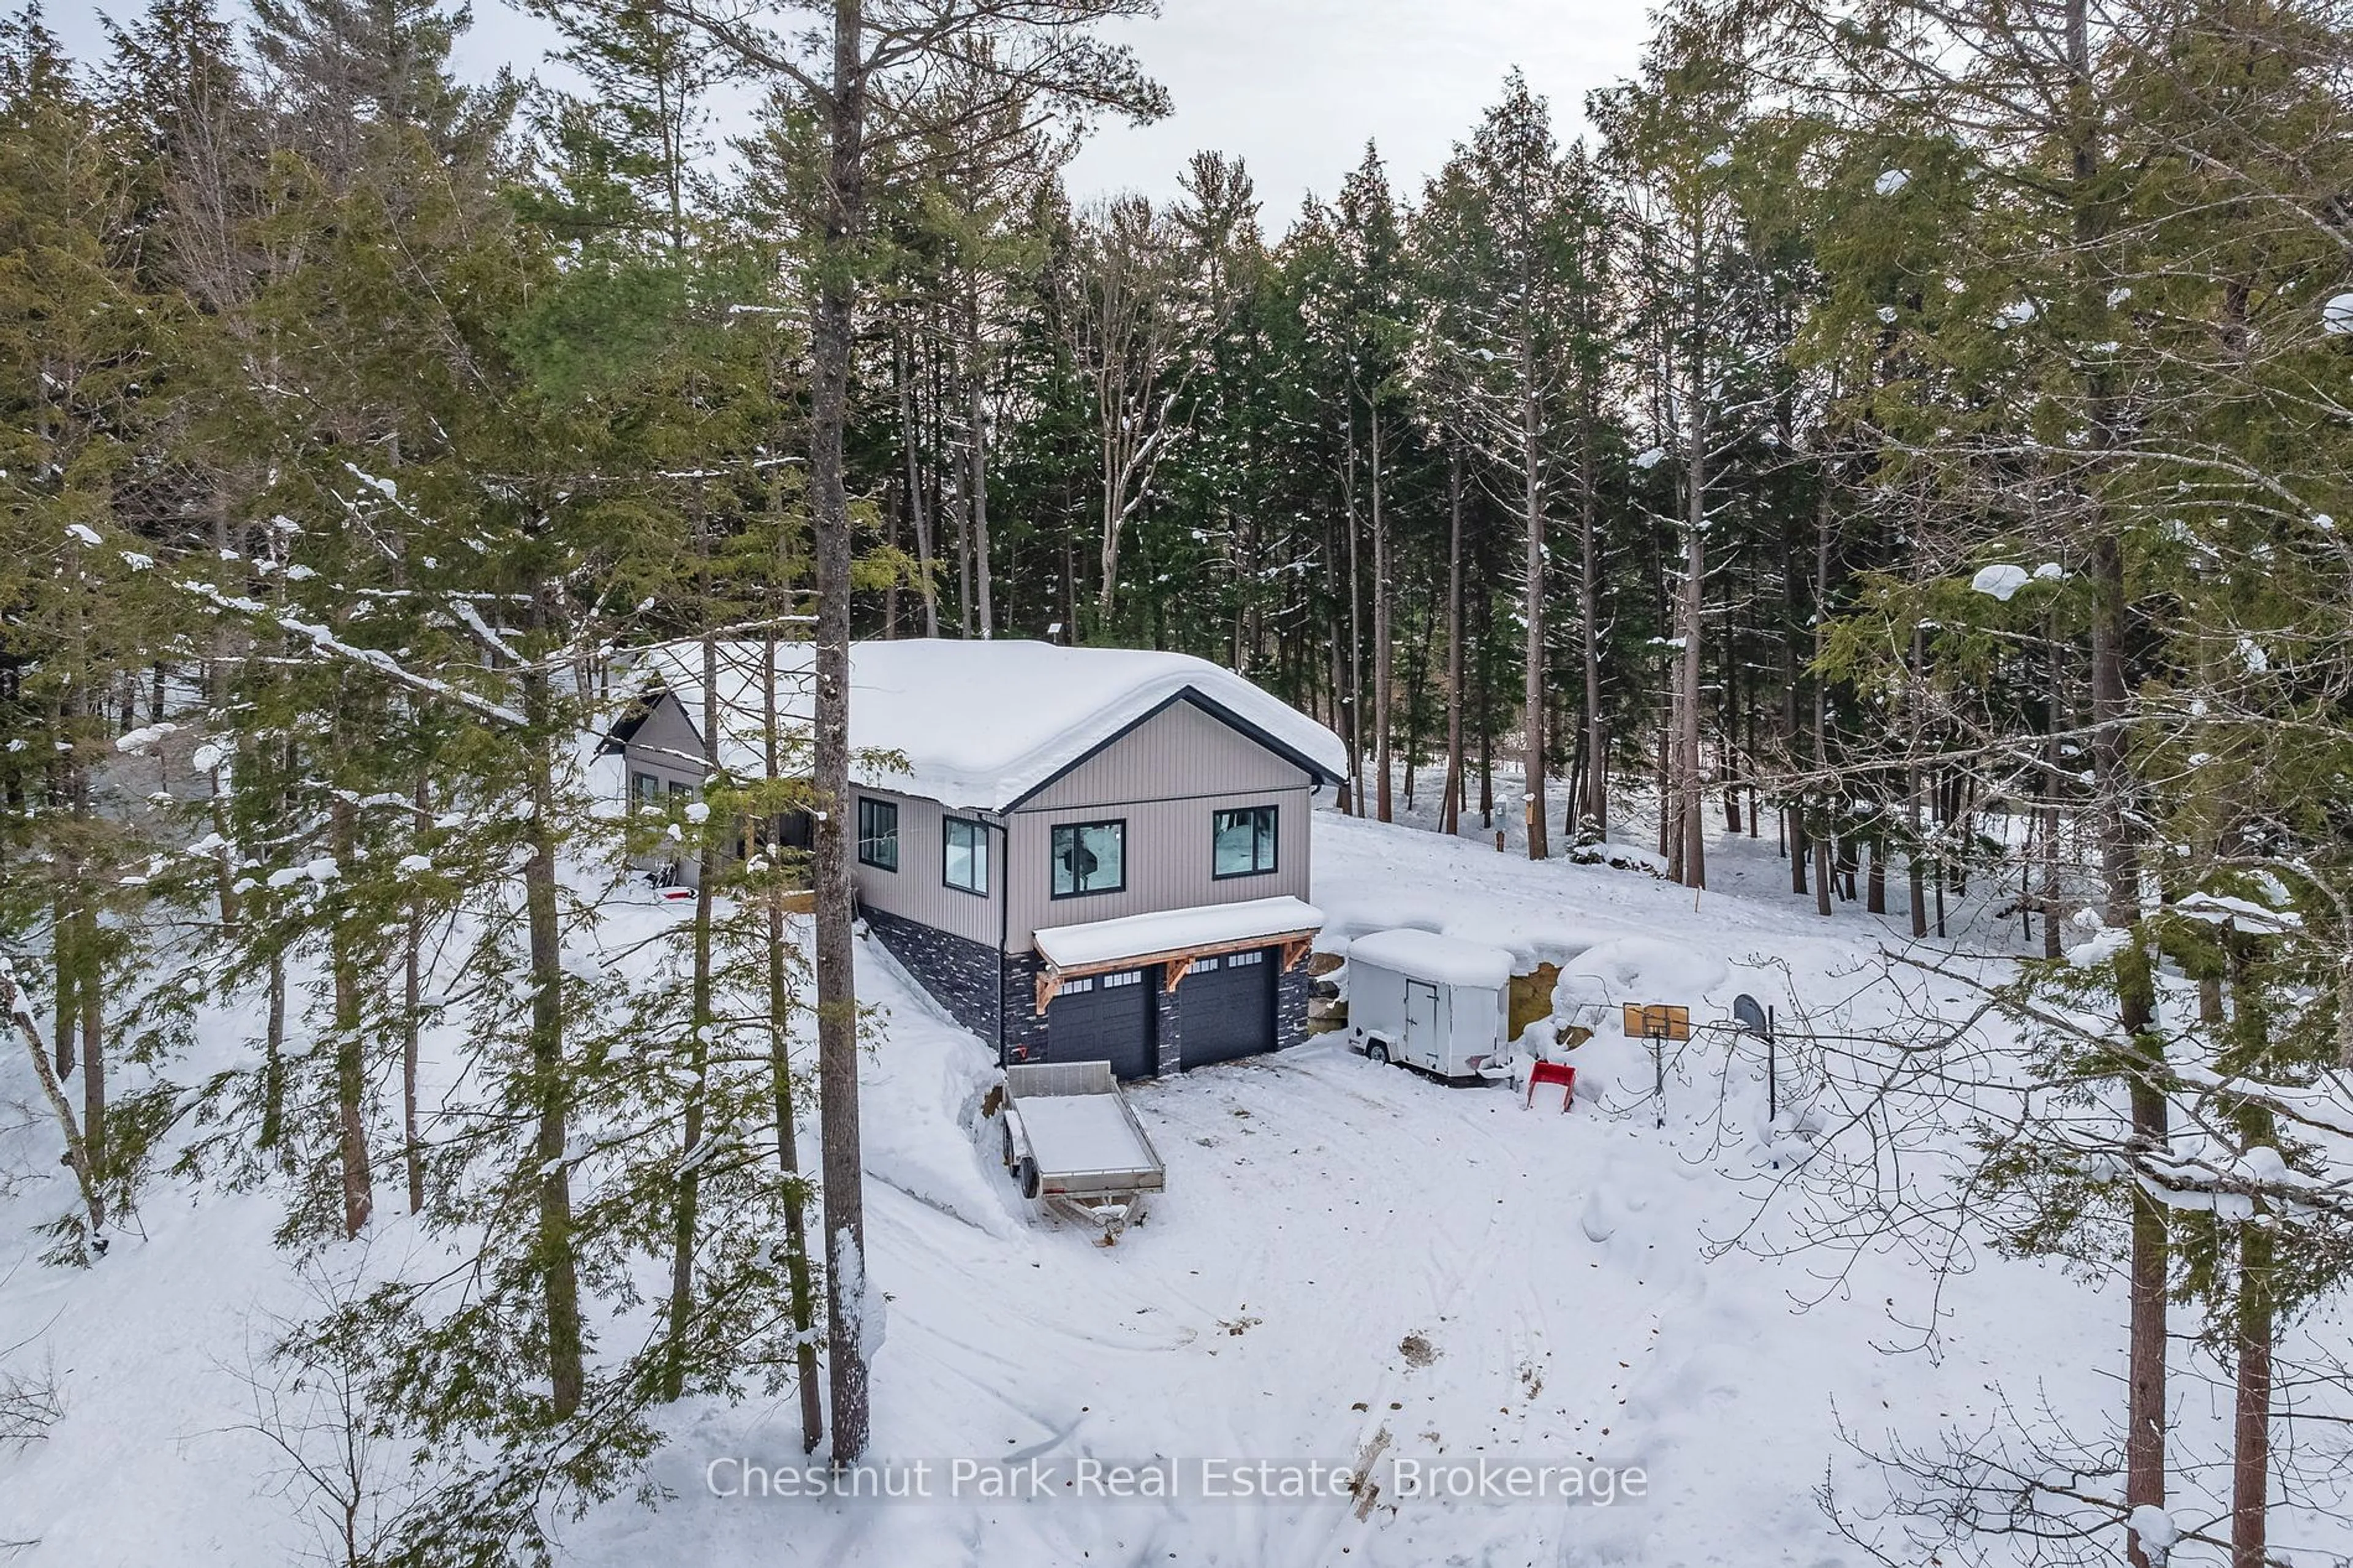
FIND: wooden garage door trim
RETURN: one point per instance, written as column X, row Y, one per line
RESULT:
column 1174, row 962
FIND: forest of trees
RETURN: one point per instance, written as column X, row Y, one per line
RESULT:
column 1908, row 433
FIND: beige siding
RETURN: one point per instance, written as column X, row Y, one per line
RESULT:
column 1164, row 779
column 1180, row 750
column 667, row 746
column 918, row 890
column 1169, row 863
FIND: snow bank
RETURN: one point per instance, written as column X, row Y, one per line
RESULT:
column 1642, row 969
column 923, row 1131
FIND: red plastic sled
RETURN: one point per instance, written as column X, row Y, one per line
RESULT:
column 1553, row 1072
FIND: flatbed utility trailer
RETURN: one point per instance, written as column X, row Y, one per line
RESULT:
column 1075, row 1146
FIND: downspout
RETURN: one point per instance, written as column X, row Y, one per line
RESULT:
column 1004, row 920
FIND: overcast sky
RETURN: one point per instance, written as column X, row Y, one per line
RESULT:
column 1293, row 87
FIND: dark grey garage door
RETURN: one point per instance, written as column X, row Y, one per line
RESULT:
column 1226, row 1009
column 1104, row 1018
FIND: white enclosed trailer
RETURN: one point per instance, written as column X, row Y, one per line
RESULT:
column 1431, row 1002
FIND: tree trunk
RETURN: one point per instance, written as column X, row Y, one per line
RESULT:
column 65, row 1012
column 1691, row 806
column 978, row 416
column 1486, row 715
column 1916, row 869
column 351, row 1066
column 2145, row 1444
column 2050, row 843
column 1384, row 657
column 273, row 1135
column 1451, row 809
column 2251, row 1464
column 686, row 1210
column 549, row 1078
column 831, row 345
column 91, row 999
column 1532, row 569
column 916, row 515
column 78, row 1152
column 801, row 1292
column 412, row 1001
column 1356, row 732
column 1595, row 808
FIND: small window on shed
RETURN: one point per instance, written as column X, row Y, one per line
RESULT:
column 645, row 789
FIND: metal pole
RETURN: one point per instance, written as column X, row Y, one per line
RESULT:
column 1772, row 1088
column 1658, row 1072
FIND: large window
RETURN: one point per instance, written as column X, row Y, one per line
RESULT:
column 965, row 847
column 1242, row 842
column 878, row 834
column 1090, row 858
column 645, row 790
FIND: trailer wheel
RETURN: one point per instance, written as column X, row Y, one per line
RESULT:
column 1377, row 1051
column 1025, row 1177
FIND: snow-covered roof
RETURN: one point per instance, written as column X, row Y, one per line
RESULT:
column 1427, row 955
column 1177, row 931
column 978, row 724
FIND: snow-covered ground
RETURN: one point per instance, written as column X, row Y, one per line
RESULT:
column 1347, row 1260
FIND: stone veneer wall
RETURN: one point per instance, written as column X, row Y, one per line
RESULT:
column 1025, row 1030
column 1293, row 989
column 961, row 974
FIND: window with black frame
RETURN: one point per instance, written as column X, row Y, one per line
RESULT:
column 964, row 855
column 1242, row 841
column 1090, row 858
column 878, row 834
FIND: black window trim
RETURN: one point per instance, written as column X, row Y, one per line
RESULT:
column 1276, row 834
column 981, row 892
column 1054, row 828
column 864, row 838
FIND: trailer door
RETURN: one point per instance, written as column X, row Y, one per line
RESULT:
column 1424, row 1033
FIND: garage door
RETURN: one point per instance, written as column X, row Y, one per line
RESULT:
column 1227, row 1007
column 1103, row 1017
